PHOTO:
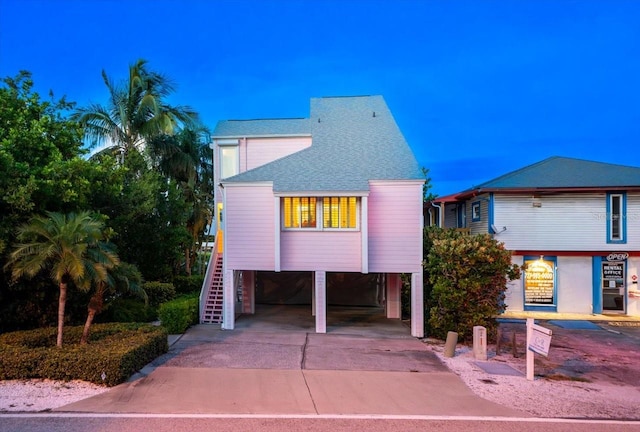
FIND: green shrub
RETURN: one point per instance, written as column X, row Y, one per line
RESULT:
column 467, row 277
column 177, row 315
column 128, row 310
column 117, row 351
column 159, row 292
column 188, row 284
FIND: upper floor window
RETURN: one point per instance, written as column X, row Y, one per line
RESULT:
column 229, row 161
column 299, row 212
column 339, row 212
column 319, row 213
column 616, row 218
column 475, row 211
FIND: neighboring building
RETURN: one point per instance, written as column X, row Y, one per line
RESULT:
column 574, row 224
column 303, row 204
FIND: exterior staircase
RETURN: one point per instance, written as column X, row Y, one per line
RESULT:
column 211, row 296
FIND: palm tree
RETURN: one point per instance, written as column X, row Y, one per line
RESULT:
column 70, row 247
column 186, row 158
column 123, row 277
column 136, row 112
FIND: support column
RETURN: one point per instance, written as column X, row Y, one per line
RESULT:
column 249, row 292
column 229, row 302
column 320, row 296
column 394, row 288
column 417, row 305
column 313, row 294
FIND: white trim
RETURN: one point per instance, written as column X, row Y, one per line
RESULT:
column 276, row 233
column 364, row 234
column 397, row 181
column 227, row 142
column 316, row 194
column 247, row 184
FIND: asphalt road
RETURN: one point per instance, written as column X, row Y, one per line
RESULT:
column 115, row 423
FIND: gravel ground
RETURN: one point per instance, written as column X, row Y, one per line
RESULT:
column 544, row 397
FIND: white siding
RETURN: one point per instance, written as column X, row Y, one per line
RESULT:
column 574, row 285
column 572, row 222
column 249, row 234
column 481, row 226
column 332, row 251
column 574, row 291
column 260, row 151
column 514, row 295
column 395, row 227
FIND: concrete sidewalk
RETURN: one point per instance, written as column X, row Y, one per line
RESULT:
column 367, row 365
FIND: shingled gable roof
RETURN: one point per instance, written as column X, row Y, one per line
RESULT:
column 559, row 173
column 354, row 140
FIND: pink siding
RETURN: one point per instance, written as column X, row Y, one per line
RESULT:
column 395, row 227
column 259, row 151
column 249, row 242
column 320, row 250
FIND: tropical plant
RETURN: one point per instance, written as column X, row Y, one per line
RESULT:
column 136, row 112
column 467, row 277
column 70, row 247
column 124, row 278
column 186, row 159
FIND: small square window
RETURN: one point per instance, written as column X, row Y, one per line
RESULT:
column 475, row 211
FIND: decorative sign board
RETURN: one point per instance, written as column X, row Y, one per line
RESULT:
column 540, row 340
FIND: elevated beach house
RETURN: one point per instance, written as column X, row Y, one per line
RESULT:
column 574, row 225
column 315, row 211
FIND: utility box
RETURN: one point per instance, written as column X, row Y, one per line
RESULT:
column 479, row 343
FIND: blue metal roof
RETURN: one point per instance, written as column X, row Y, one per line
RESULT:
column 354, row 140
column 563, row 172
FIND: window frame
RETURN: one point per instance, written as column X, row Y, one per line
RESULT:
column 476, row 211
column 300, row 221
column 319, row 214
column 621, row 222
column 236, row 161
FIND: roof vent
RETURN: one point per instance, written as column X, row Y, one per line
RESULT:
column 374, row 113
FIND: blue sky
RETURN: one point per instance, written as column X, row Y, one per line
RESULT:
column 479, row 88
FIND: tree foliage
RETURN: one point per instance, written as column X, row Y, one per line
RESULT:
column 156, row 201
column 70, row 248
column 136, row 111
column 466, row 280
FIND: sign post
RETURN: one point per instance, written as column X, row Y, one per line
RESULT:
column 538, row 341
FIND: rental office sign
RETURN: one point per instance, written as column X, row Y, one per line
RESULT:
column 539, row 281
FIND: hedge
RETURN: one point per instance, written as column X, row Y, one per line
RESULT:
column 115, row 353
column 188, row 284
column 177, row 315
column 159, row 292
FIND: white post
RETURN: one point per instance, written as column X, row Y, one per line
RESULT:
column 229, row 301
column 530, row 358
column 480, row 343
column 313, row 294
column 321, row 301
column 417, row 305
column 394, row 288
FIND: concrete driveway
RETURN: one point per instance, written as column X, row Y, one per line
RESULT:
column 274, row 363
